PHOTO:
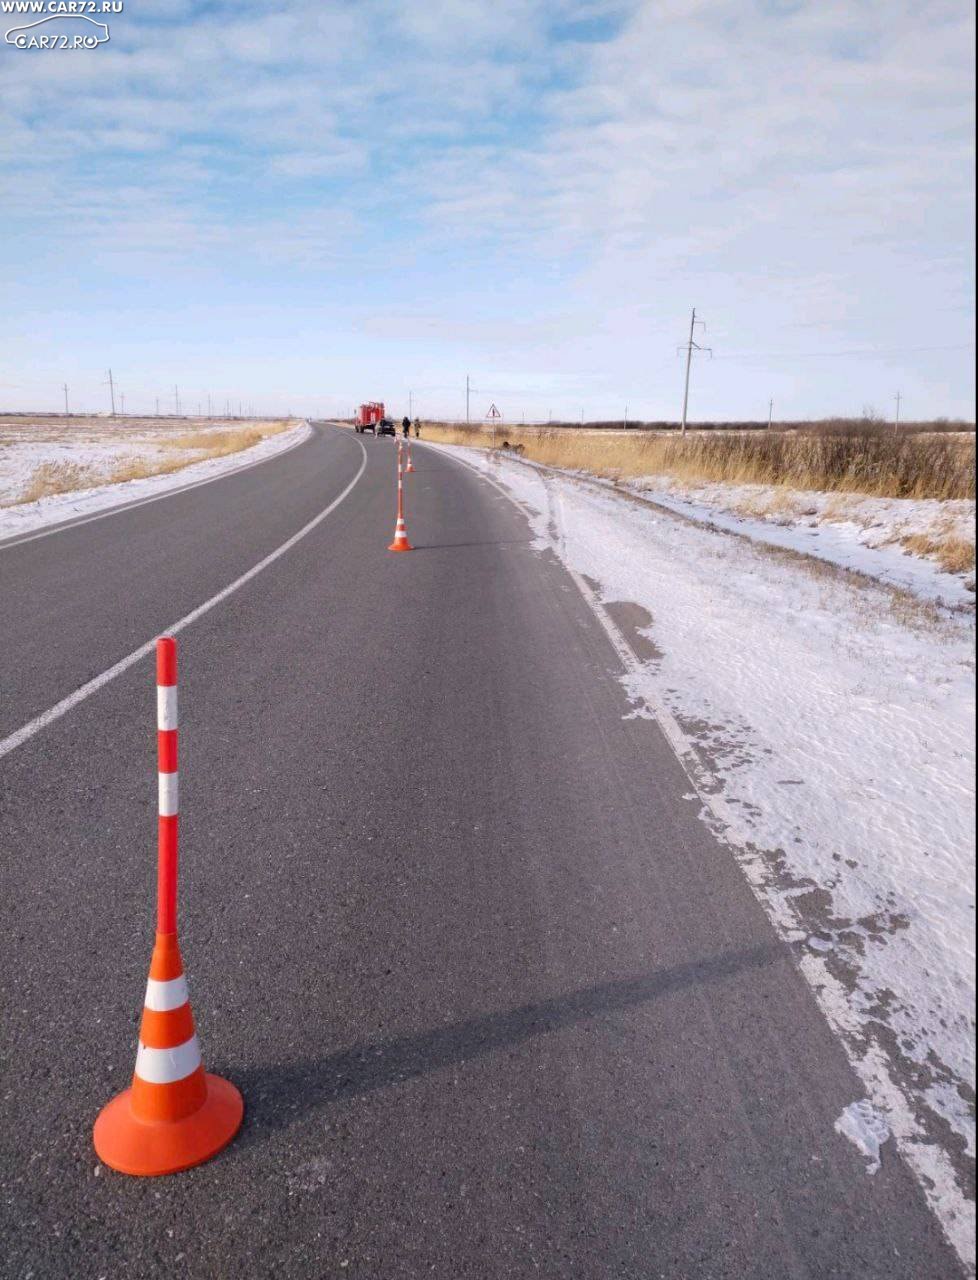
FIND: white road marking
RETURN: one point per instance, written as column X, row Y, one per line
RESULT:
column 27, row 731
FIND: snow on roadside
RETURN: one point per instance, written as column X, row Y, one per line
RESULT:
column 832, row 721
column 30, row 516
column 851, row 530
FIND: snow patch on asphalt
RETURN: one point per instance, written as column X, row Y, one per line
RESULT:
column 28, row 517
column 863, row 1125
column 828, row 724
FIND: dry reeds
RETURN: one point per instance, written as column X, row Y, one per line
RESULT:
column 50, row 478
column 846, row 458
column 953, row 554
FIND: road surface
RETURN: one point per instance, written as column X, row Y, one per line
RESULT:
column 498, row 1002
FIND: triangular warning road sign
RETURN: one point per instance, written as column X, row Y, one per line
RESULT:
column 493, row 412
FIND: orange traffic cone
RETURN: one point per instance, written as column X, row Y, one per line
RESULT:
column 174, row 1115
column 400, row 542
column 410, row 465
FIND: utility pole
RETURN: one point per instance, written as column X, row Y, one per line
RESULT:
column 410, row 404
column 112, row 392
column 208, row 404
column 689, row 347
column 624, row 424
column 467, row 389
column 770, row 413
column 176, row 399
column 896, row 419
column 123, row 399
column 66, row 398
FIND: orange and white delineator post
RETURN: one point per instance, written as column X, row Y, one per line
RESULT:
column 400, row 542
column 410, row 465
column 174, row 1115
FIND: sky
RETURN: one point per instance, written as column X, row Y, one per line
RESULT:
column 302, row 204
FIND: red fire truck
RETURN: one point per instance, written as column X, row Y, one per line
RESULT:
column 369, row 417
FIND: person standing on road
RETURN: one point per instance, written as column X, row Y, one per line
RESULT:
column 417, row 428
column 406, row 426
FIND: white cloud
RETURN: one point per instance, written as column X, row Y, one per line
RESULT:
column 783, row 165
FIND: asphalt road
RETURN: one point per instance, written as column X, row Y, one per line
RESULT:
column 498, row 1002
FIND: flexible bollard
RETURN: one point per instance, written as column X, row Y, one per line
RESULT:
column 174, row 1115
column 400, row 542
column 410, row 465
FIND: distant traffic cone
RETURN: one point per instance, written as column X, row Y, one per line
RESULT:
column 410, row 465
column 400, row 542
column 174, row 1115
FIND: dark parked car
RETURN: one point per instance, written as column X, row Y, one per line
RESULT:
column 386, row 428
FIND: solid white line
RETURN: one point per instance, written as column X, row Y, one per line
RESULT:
column 27, row 731
column 167, row 1066
column 153, row 497
column 166, row 706
column 161, row 997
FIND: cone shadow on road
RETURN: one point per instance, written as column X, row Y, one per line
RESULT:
column 280, row 1093
column 484, row 542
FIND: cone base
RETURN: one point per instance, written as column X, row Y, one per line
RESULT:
column 400, row 546
column 148, row 1149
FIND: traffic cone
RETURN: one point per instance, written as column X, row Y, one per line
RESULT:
column 400, row 542
column 174, row 1115
column 410, row 465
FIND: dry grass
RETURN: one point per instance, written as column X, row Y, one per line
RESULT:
column 777, row 505
column 50, row 478
column 954, row 554
column 218, row 444
column 58, row 477
column 843, row 458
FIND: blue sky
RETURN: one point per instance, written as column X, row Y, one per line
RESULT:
column 301, row 204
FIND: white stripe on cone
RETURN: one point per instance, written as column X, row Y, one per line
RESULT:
column 169, row 794
column 161, row 997
column 167, row 1066
column 166, row 706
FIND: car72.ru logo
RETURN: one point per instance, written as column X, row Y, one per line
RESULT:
column 37, row 35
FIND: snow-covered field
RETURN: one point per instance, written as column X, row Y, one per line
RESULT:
column 100, row 451
column 827, row 723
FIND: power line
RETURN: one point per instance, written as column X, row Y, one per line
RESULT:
column 828, row 355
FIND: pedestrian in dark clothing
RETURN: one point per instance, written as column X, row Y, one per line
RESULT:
column 406, row 425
